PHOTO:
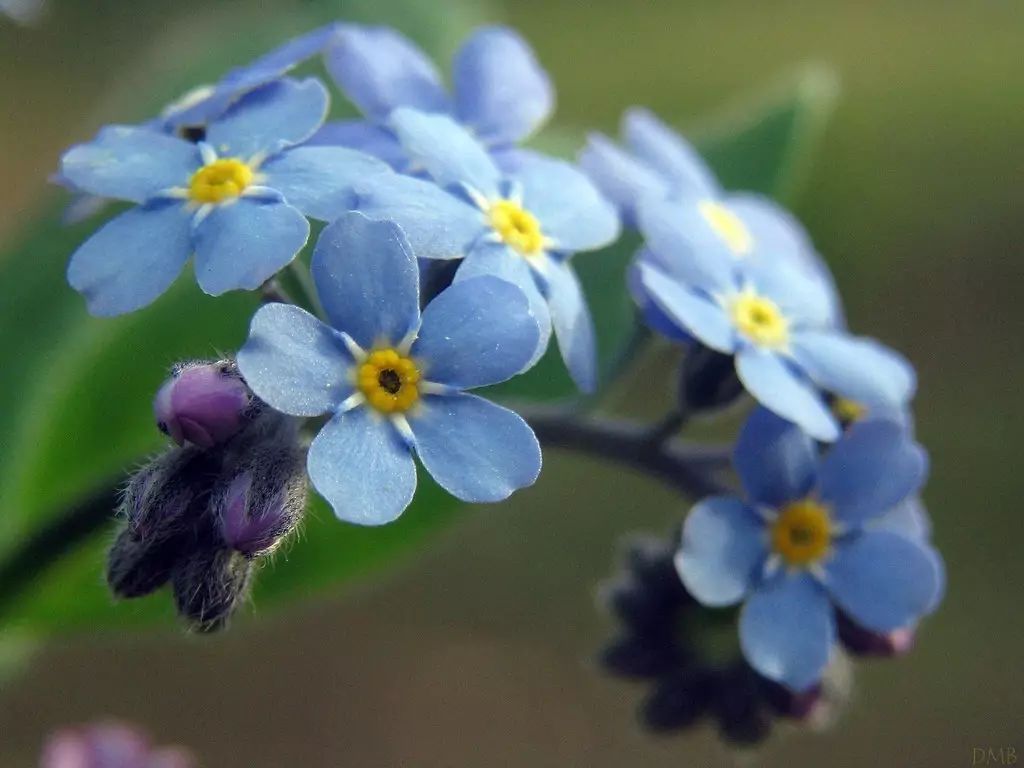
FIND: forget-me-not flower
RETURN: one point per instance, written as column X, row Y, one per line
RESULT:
column 392, row 380
column 775, row 320
column 238, row 200
column 522, row 227
column 500, row 92
column 804, row 542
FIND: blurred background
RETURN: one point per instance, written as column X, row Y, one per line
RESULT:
column 479, row 650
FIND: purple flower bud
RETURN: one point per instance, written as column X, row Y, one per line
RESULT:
column 108, row 745
column 209, row 586
column 204, row 404
column 864, row 642
column 798, row 706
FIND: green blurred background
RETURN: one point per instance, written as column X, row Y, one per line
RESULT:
column 478, row 652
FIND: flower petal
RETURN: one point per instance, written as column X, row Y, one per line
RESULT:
column 908, row 518
column 622, row 178
column 132, row 259
column 787, row 630
column 362, row 467
column 501, row 91
column 476, row 332
column 438, row 224
column 665, row 150
column 856, row 368
column 319, row 180
column 129, row 163
column 476, row 450
column 805, row 300
column 872, row 469
column 723, row 549
column 775, row 385
column 775, row 459
column 446, row 150
column 367, row 279
column 270, row 118
column 568, row 206
column 574, row 327
column 502, row 262
column 379, row 70
column 245, row 243
column 884, row 581
column 294, row 362
column 366, row 137
column 694, row 314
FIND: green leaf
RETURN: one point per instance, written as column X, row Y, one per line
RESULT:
column 75, row 392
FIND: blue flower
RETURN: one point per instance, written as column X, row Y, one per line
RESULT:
column 775, row 320
column 521, row 227
column 805, row 542
column 392, row 380
column 238, row 200
column 501, row 94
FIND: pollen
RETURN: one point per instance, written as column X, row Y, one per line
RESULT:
column 220, row 180
column 728, row 226
column 516, row 226
column 848, row 411
column 802, row 533
column 389, row 381
column 760, row 320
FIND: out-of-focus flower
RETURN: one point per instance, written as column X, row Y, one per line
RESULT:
column 805, row 540
column 238, row 201
column 27, row 12
column 393, row 380
column 109, row 745
column 521, row 227
column 500, row 92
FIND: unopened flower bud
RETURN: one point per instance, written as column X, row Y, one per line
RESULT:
column 864, row 642
column 791, row 704
column 108, row 745
column 264, row 502
column 209, row 586
column 707, row 380
column 203, row 403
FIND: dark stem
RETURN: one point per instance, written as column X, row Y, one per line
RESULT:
column 274, row 292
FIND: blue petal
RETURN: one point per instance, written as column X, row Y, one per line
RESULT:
column 129, row 163
column 501, row 261
column 245, row 243
column 568, row 206
column 663, row 149
column 777, row 235
column 132, row 259
column 501, row 91
column 270, row 118
column 362, row 467
column 446, row 150
column 908, row 518
column 682, row 239
column 939, row 566
column 364, row 136
column 777, row 387
column 884, row 581
column 622, row 178
column 294, row 362
column 654, row 316
column 574, row 328
column 872, row 469
column 319, row 180
column 438, row 224
column 280, row 60
column 722, row 552
column 367, row 279
column 476, row 332
column 695, row 314
column 856, row 368
column 787, row 630
column 474, row 449
column 380, row 70
column 775, row 459
column 805, row 300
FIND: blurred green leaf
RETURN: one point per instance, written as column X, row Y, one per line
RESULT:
column 75, row 393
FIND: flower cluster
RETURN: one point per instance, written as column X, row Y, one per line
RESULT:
column 447, row 263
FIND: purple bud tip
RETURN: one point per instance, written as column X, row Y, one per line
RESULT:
column 864, row 642
column 203, row 404
column 108, row 745
column 248, row 526
column 800, row 706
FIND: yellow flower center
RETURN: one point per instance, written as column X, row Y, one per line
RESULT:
column 802, row 533
column 219, row 181
column 848, row 411
column 516, row 226
column 728, row 226
column 760, row 320
column 389, row 381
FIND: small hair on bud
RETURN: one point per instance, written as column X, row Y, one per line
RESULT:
column 136, row 567
column 204, row 403
column 209, row 586
column 156, row 500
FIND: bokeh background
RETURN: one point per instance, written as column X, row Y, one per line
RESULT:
column 478, row 651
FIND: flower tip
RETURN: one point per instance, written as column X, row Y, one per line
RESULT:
column 203, row 404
